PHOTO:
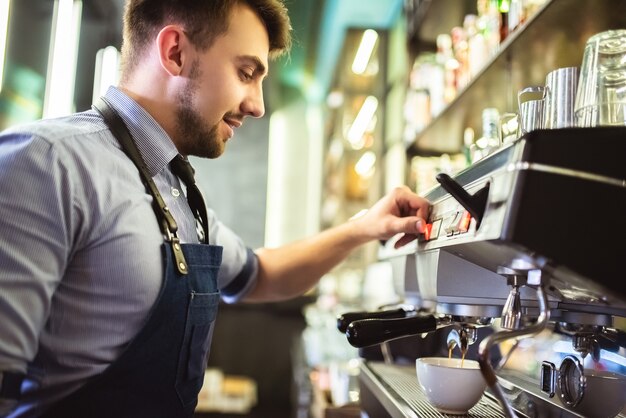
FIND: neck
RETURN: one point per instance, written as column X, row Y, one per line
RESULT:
column 155, row 95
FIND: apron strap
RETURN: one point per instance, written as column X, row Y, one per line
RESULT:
column 166, row 220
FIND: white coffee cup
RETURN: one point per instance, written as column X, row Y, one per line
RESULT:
column 450, row 387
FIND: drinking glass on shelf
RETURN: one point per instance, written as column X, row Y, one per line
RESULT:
column 601, row 94
column 612, row 106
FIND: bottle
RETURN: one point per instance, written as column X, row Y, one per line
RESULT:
column 493, row 26
column 515, row 17
column 477, row 50
column 449, row 64
column 503, row 8
column 468, row 142
column 490, row 140
column 460, row 50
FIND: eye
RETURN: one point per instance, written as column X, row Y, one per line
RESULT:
column 246, row 74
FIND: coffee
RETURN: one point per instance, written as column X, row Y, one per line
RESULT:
column 463, row 352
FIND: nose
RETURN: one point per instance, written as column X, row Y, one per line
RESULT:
column 253, row 105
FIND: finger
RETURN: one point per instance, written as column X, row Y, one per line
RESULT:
column 406, row 198
column 408, row 225
column 405, row 239
column 423, row 211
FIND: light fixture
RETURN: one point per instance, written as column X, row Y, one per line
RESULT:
column 365, row 166
column 59, row 98
column 107, row 71
column 361, row 122
column 5, row 8
column 364, row 53
column 334, row 99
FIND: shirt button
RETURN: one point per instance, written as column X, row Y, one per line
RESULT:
column 175, row 192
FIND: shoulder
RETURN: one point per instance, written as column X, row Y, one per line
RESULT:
column 67, row 140
column 58, row 131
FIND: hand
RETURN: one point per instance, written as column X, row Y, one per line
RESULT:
column 400, row 211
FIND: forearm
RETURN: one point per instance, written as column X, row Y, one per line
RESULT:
column 291, row 270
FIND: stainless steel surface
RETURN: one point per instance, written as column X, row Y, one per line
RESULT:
column 570, row 381
column 485, row 263
column 519, row 231
column 548, row 378
column 555, row 37
column 530, row 111
column 503, row 335
column 397, row 394
column 468, row 313
column 397, row 388
column 512, row 312
column 546, row 288
column 461, row 338
column 560, row 94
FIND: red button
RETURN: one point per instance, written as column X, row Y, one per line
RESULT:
column 427, row 230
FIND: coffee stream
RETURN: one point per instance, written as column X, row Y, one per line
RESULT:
column 463, row 352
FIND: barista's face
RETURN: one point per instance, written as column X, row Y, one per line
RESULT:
column 224, row 86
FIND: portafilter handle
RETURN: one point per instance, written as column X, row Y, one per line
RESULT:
column 345, row 319
column 475, row 204
column 368, row 332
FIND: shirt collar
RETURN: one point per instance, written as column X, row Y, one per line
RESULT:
column 154, row 144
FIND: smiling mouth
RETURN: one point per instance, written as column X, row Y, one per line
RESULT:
column 232, row 124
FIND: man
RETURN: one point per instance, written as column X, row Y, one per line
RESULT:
column 109, row 276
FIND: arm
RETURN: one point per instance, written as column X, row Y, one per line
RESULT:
column 36, row 241
column 291, row 270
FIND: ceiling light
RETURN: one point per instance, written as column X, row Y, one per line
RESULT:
column 107, row 71
column 4, row 27
column 362, row 120
column 365, row 166
column 334, row 99
column 59, row 99
column 364, row 53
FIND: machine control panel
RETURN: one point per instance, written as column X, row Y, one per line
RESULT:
column 453, row 223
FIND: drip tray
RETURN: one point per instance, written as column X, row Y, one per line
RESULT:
column 398, row 393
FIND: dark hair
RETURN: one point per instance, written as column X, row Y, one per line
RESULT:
column 203, row 20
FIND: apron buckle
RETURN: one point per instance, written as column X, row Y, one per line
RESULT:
column 179, row 257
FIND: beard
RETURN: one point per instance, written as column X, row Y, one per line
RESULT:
column 196, row 136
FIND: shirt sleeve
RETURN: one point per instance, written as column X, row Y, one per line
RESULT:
column 37, row 217
column 240, row 265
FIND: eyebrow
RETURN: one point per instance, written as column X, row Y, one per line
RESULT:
column 259, row 66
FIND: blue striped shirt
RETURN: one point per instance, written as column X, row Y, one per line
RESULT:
column 80, row 261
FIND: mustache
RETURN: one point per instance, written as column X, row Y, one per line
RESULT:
column 235, row 116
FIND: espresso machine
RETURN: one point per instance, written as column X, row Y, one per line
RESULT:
column 523, row 262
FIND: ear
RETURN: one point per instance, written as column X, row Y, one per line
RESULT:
column 173, row 48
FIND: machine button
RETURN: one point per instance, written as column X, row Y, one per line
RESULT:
column 452, row 225
column 427, row 230
column 434, row 229
column 464, row 223
column 548, row 378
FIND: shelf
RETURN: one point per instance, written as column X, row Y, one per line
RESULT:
column 433, row 17
column 554, row 37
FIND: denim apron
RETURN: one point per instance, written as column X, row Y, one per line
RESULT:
column 161, row 371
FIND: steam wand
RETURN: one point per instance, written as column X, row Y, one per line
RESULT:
column 496, row 338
